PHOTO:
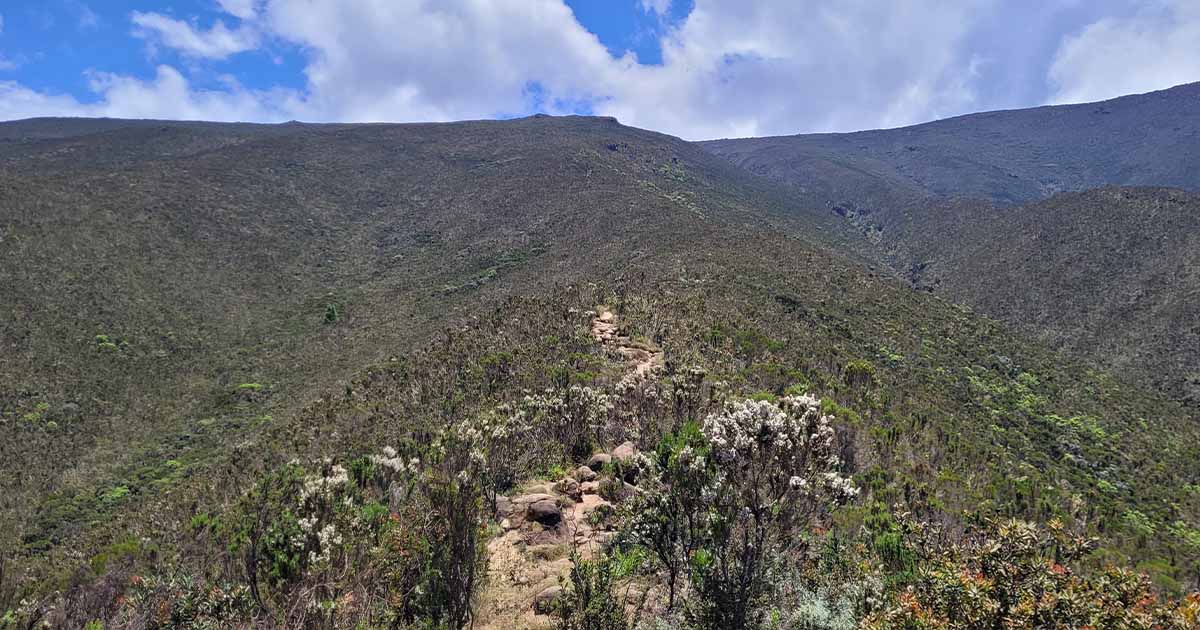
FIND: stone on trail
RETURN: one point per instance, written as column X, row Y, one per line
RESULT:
column 624, row 452
column 545, row 511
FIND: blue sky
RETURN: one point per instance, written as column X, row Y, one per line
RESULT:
column 694, row 68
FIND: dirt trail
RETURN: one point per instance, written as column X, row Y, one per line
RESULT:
column 641, row 358
column 543, row 524
column 527, row 561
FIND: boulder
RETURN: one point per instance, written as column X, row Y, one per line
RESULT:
column 569, row 487
column 599, row 460
column 526, row 499
column 583, row 473
column 624, row 452
column 504, row 507
column 545, row 511
column 543, row 602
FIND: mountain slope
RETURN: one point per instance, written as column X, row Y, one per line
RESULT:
column 171, row 286
column 974, row 208
column 1003, row 156
column 1111, row 274
column 191, row 306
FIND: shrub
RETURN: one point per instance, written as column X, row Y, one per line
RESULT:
column 1014, row 574
column 332, row 313
column 590, row 601
column 430, row 558
column 182, row 601
column 859, row 373
column 727, row 500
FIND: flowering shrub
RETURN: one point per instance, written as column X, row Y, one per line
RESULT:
column 1018, row 575
column 393, row 536
column 181, row 601
column 726, row 500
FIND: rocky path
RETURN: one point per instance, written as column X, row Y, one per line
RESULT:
column 543, row 524
column 541, row 527
column 641, row 358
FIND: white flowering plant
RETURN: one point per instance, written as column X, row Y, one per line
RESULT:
column 725, row 499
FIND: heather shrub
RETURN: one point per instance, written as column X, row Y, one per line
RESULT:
column 1014, row 574
column 590, row 599
column 727, row 501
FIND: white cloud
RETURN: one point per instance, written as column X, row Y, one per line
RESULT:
column 730, row 68
column 743, row 68
column 217, row 42
column 1157, row 47
column 18, row 101
column 438, row 61
column 168, row 95
column 243, row 9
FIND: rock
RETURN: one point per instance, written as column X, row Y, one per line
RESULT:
column 624, row 452
column 599, row 460
column 527, row 499
column 589, row 487
column 69, row 409
column 583, row 473
column 543, row 602
column 504, row 507
column 606, row 317
column 507, row 525
column 545, row 511
column 570, row 488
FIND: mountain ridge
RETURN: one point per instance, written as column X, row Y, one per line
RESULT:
column 957, row 193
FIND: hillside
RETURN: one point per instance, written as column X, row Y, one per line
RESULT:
column 159, row 276
column 1003, row 156
column 205, row 322
column 1111, row 274
column 978, row 209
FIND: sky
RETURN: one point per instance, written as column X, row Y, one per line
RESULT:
column 693, row 68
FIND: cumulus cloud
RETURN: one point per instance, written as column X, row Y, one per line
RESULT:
column 734, row 68
column 1157, row 47
column 440, row 61
column 18, row 101
column 243, row 9
column 169, row 95
column 217, row 42
column 729, row 68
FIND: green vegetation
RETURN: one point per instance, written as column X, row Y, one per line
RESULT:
column 240, row 457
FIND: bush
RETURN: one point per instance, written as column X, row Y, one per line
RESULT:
column 725, row 502
column 589, row 602
column 1014, row 574
column 432, row 557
